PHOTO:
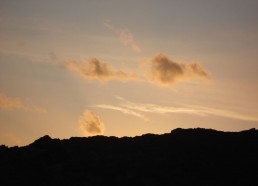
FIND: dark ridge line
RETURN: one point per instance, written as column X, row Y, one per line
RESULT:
column 175, row 132
column 204, row 157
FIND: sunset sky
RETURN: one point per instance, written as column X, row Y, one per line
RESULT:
column 125, row 68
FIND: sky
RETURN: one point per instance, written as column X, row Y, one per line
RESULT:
column 126, row 68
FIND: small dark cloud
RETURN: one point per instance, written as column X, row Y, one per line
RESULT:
column 95, row 69
column 163, row 71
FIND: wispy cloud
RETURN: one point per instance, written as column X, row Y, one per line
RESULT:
column 95, row 69
column 123, row 110
column 126, row 37
column 163, row 71
column 91, row 124
column 225, row 113
column 194, row 110
column 7, row 102
column 158, row 109
column 137, row 109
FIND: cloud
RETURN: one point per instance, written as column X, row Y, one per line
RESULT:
column 163, row 71
column 159, row 69
column 10, row 103
column 158, row 109
column 126, row 37
column 123, row 110
column 136, row 109
column 95, row 69
column 91, row 124
column 191, row 109
column 7, row 102
column 226, row 113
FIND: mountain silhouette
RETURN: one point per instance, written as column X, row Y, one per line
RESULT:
column 181, row 157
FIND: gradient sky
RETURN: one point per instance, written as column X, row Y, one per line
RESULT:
column 125, row 68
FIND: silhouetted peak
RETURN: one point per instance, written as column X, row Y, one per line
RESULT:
column 177, row 130
column 250, row 130
column 42, row 141
column 44, row 138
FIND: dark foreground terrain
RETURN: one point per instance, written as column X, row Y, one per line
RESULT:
column 182, row 157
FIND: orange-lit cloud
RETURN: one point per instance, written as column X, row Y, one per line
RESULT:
column 163, row 71
column 160, row 70
column 7, row 102
column 95, row 69
column 91, row 124
column 126, row 37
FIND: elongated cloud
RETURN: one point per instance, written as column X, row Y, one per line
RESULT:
column 126, row 37
column 10, row 103
column 163, row 71
column 91, row 124
column 123, row 110
column 191, row 109
column 7, row 102
column 137, row 109
column 95, row 69
column 153, row 108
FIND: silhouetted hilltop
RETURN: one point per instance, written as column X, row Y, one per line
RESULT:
column 182, row 157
